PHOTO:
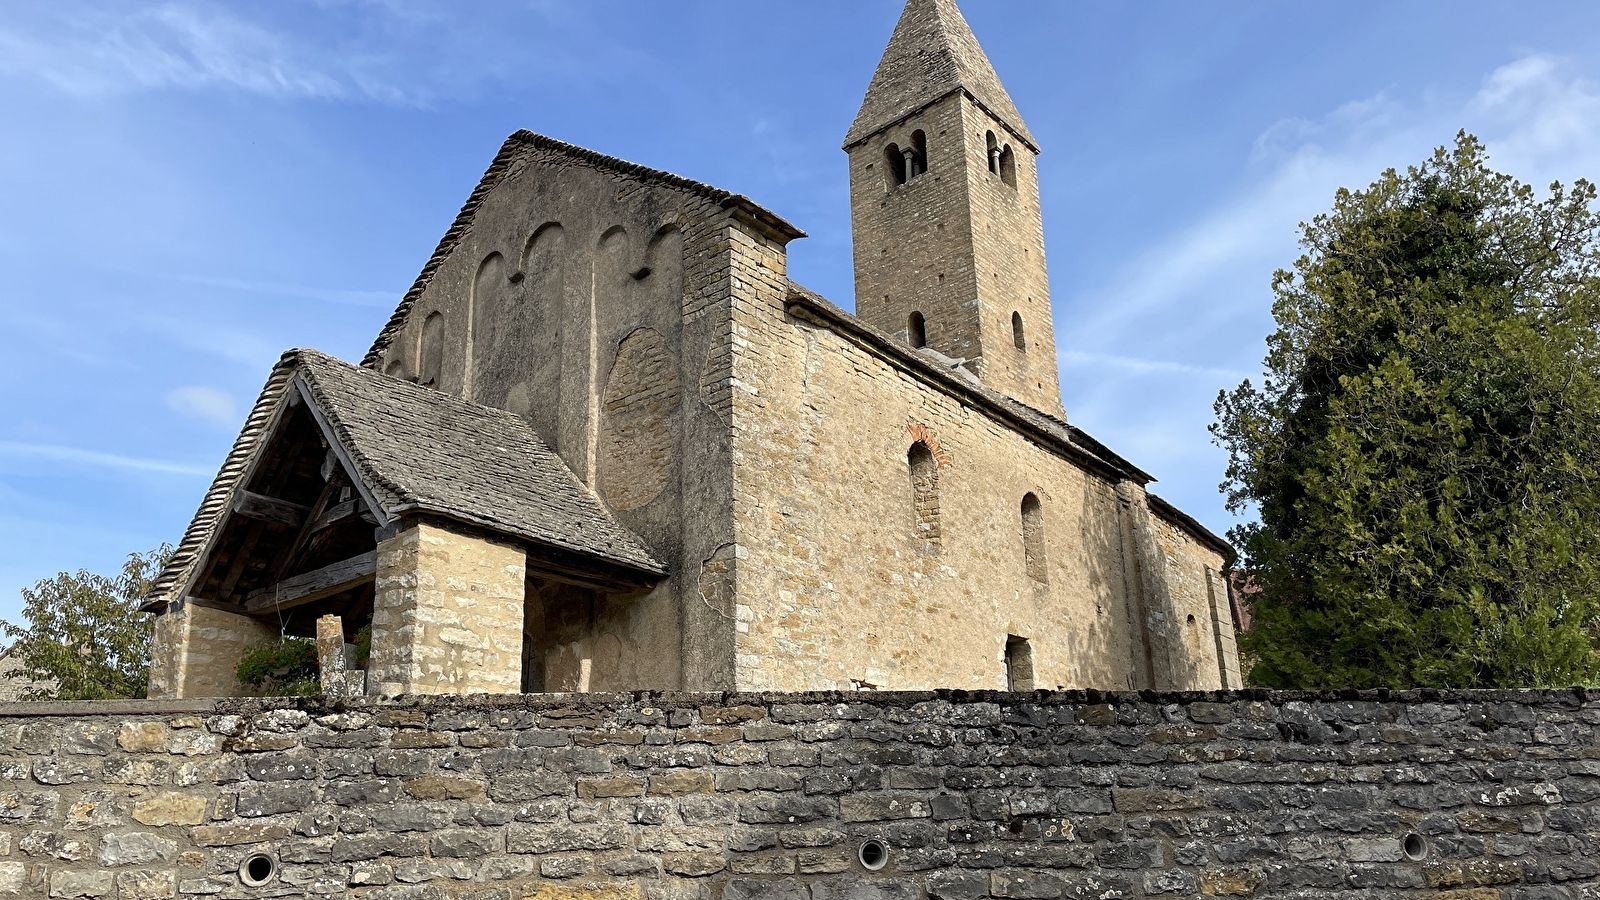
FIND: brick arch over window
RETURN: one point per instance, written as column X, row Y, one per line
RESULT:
column 917, row 431
column 1033, row 545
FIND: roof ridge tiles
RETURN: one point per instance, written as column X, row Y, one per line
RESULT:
column 1059, row 432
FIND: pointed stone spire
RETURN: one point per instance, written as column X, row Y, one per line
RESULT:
column 932, row 54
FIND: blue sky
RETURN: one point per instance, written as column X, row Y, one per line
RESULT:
column 187, row 188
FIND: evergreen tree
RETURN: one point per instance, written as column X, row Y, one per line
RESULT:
column 1424, row 453
column 84, row 637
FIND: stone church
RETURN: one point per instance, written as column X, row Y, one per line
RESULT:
column 605, row 444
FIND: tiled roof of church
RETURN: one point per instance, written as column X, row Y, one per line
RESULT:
column 932, row 54
column 422, row 450
column 1069, row 438
column 514, row 147
column 436, row 453
column 180, row 566
column 1066, row 437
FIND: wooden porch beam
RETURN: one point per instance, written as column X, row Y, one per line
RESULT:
column 313, row 586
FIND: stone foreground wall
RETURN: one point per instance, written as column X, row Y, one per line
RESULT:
column 740, row 797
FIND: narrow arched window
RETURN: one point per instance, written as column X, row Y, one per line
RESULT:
column 917, row 331
column 895, row 166
column 1008, row 166
column 993, row 154
column 1019, row 336
column 432, row 350
column 917, row 162
column 925, row 494
column 1033, row 539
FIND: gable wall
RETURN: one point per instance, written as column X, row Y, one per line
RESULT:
column 583, row 299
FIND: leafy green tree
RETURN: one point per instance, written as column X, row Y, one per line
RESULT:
column 1424, row 453
column 84, row 637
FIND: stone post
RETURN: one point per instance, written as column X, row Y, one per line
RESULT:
column 338, row 679
column 447, row 617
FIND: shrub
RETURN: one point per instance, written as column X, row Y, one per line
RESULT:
column 285, row 668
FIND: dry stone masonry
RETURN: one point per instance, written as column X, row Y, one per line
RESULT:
column 948, row 796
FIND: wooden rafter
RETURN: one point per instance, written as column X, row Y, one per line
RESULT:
column 292, row 550
column 269, row 509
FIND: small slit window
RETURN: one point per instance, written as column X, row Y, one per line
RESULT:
column 1019, row 335
column 1019, row 664
column 1033, row 552
column 925, row 495
column 917, row 331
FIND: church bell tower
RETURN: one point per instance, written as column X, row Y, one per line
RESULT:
column 944, row 202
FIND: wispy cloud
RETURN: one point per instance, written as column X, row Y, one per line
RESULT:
column 396, row 52
column 98, row 51
column 238, row 345
column 375, row 299
column 1152, row 366
column 78, row 457
column 207, row 404
column 1540, row 122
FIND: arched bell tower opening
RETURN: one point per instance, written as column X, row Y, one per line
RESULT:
column 944, row 200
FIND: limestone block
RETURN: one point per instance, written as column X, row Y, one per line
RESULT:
column 171, row 808
column 628, row 890
column 13, row 878
column 142, row 737
column 80, row 884
column 135, row 849
column 146, row 885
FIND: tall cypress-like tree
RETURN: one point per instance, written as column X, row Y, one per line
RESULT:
column 1424, row 453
